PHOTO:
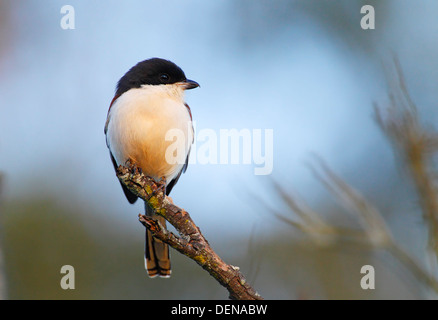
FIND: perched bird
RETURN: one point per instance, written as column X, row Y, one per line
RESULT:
column 148, row 104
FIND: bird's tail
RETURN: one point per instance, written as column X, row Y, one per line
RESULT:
column 156, row 254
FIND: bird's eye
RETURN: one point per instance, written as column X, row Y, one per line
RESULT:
column 164, row 77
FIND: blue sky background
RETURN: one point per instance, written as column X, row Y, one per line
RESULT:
column 302, row 79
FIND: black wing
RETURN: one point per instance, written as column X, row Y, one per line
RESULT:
column 175, row 180
column 129, row 195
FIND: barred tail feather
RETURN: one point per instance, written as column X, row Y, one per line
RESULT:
column 157, row 256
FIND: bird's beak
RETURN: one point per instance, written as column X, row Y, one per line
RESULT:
column 188, row 84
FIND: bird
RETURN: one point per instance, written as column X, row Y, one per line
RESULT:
column 149, row 102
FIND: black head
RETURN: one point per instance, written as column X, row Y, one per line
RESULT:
column 153, row 71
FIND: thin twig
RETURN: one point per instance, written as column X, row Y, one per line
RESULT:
column 416, row 146
column 190, row 241
column 374, row 234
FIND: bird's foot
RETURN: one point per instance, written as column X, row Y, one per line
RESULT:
column 130, row 164
column 161, row 184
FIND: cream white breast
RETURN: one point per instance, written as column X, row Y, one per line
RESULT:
column 138, row 123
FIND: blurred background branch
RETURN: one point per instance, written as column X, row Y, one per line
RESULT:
column 415, row 146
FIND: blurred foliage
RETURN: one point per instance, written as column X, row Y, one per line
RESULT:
column 263, row 20
column 39, row 239
column 41, row 235
column 5, row 34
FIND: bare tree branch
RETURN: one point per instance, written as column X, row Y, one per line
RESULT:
column 416, row 146
column 374, row 233
column 190, row 241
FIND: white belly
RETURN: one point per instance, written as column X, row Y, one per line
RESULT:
column 140, row 120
